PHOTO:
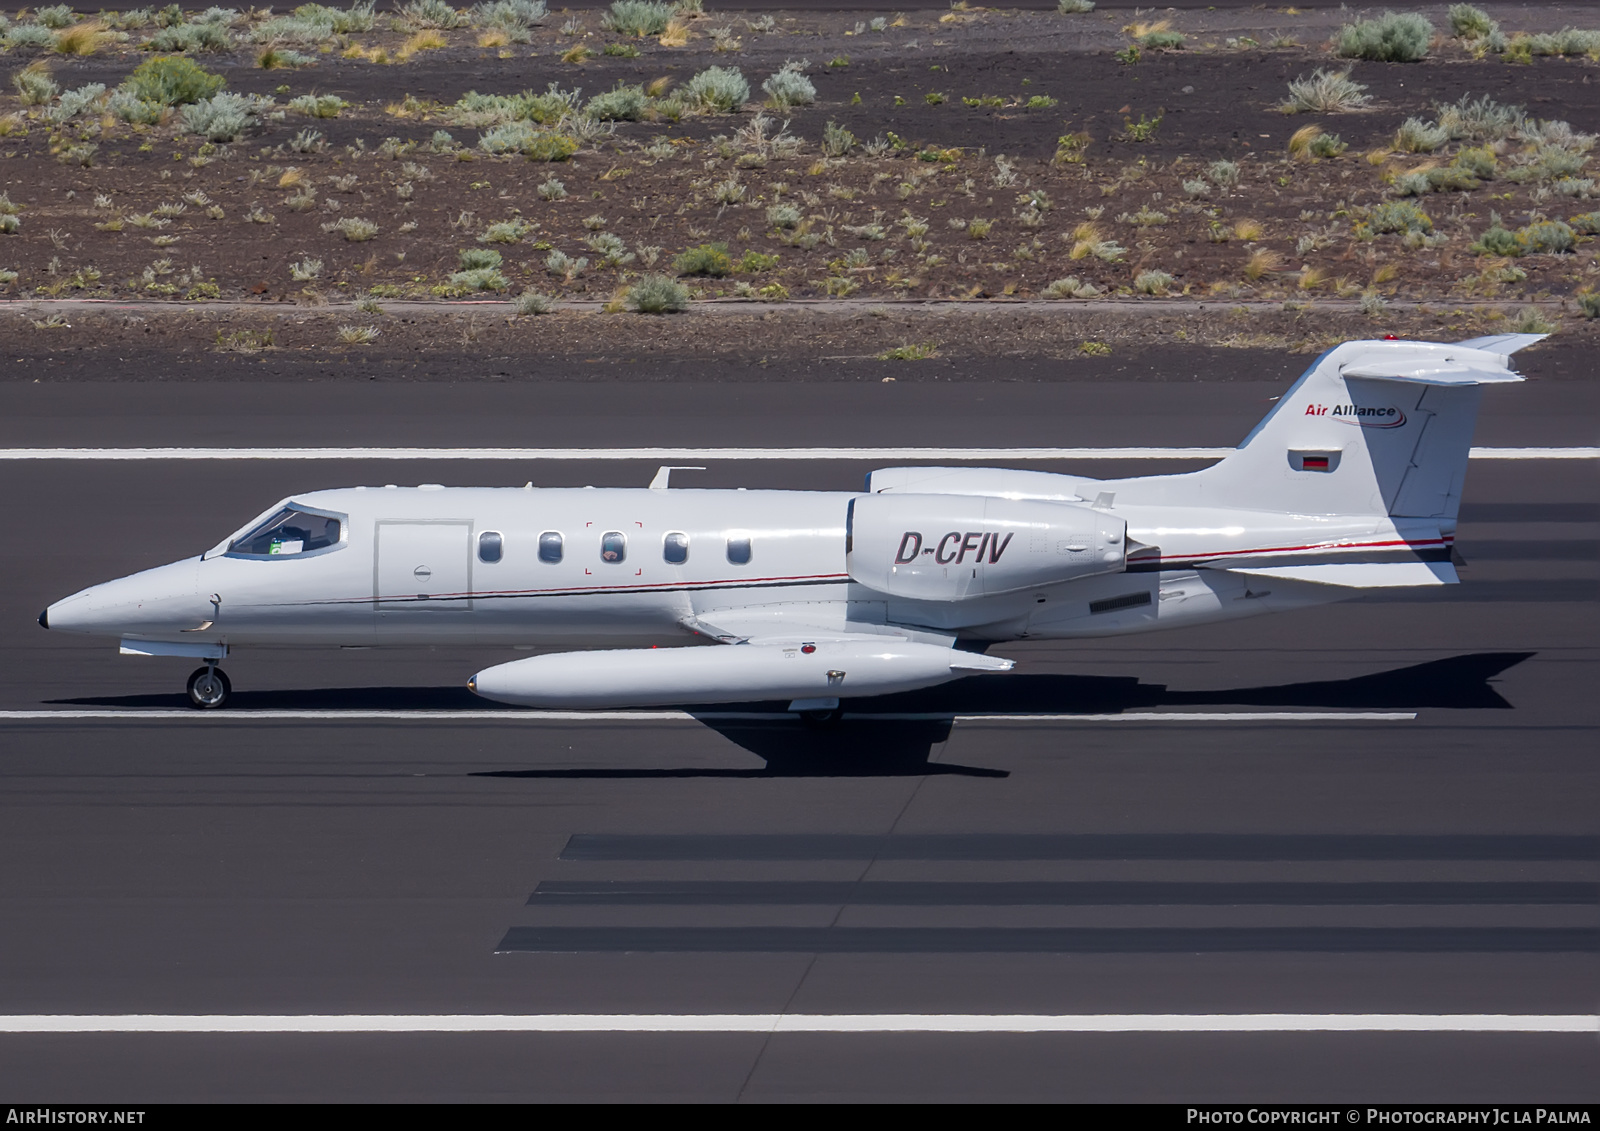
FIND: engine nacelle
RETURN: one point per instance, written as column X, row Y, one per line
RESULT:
column 956, row 547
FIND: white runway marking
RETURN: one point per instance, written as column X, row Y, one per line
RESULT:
column 467, row 716
column 960, row 455
column 1588, row 1024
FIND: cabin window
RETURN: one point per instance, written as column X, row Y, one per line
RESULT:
column 550, row 547
column 613, row 547
column 739, row 550
column 290, row 531
column 490, row 546
column 675, row 548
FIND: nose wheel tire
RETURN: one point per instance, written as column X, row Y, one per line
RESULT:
column 209, row 688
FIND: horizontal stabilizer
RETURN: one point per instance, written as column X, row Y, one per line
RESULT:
column 1363, row 575
column 1429, row 372
column 1503, row 344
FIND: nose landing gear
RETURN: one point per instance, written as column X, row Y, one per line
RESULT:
column 209, row 687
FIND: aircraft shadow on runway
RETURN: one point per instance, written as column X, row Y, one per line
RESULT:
column 863, row 745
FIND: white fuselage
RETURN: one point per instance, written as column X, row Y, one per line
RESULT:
column 409, row 569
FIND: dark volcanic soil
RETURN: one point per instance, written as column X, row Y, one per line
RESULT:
column 943, row 212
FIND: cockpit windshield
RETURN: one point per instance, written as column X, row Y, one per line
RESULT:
column 290, row 531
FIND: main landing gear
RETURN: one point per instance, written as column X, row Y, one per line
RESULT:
column 209, row 687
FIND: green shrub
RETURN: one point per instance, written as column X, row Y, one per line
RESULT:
column 213, row 37
column 1588, row 304
column 790, row 87
column 1480, row 161
column 532, row 302
column 657, row 294
column 1399, row 216
column 170, row 80
column 1394, row 37
column 550, row 147
column 1418, row 136
column 1074, row 7
column 1152, row 282
column 1469, row 22
column 1162, row 40
column 526, row 138
column 707, row 259
column 477, row 279
column 1328, row 145
column 504, row 231
column 1452, row 178
column 638, row 17
column 357, row 17
column 1498, row 241
column 1070, row 287
column 1224, row 172
column 1481, row 119
column 34, row 85
column 1588, row 223
column 1326, row 92
column 510, row 15
column 223, row 117
column 719, row 88
column 479, row 258
column 836, row 140
column 1530, row 320
column 134, row 110
column 783, row 216
column 755, row 262
column 318, row 105
column 29, row 35
column 624, row 104
column 57, row 17
column 430, row 14
column 1548, row 237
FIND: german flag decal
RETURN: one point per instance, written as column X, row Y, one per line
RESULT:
column 1314, row 461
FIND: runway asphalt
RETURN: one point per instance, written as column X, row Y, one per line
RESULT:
column 1437, row 855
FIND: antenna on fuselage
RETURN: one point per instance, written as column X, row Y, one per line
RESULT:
column 663, row 474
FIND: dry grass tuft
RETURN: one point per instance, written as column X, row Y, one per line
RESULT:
column 1248, row 230
column 1385, row 274
column 1139, row 28
column 676, row 34
column 82, row 39
column 658, row 88
column 1300, row 142
column 494, row 37
column 1263, row 261
column 421, row 41
column 292, row 177
column 1083, row 245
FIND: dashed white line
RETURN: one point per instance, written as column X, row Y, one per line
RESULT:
column 960, row 455
column 808, row 1023
column 470, row 716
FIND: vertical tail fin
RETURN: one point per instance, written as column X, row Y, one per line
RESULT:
column 1373, row 427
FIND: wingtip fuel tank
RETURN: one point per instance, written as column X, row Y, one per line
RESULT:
column 654, row 677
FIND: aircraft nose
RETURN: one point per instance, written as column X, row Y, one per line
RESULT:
column 156, row 601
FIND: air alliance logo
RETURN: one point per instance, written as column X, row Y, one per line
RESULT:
column 1368, row 416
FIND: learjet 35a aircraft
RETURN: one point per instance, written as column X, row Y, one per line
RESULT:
column 1352, row 482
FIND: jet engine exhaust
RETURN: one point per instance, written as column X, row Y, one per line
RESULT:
column 658, row 677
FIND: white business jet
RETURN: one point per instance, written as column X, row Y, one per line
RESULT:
column 1352, row 482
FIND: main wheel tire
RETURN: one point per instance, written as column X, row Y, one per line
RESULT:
column 209, row 688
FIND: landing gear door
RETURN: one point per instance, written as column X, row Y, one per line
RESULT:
column 423, row 567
